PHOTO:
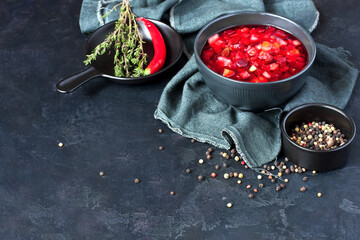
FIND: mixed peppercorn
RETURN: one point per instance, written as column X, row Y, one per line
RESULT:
column 318, row 136
column 275, row 173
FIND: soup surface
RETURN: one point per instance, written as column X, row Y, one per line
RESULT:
column 254, row 54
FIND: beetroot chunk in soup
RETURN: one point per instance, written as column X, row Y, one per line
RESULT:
column 254, row 54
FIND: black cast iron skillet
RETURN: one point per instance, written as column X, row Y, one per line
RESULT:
column 103, row 66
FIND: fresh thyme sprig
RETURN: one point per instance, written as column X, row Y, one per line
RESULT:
column 127, row 42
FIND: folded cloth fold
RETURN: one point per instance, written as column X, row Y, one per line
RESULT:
column 92, row 11
column 189, row 16
column 189, row 108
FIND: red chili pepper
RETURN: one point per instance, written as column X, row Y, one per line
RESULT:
column 159, row 47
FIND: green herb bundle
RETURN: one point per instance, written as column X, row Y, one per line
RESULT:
column 127, row 42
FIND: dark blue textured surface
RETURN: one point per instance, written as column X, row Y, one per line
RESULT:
column 47, row 192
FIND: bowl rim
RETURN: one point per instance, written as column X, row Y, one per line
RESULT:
column 222, row 17
column 321, row 105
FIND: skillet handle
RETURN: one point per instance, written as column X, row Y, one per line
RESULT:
column 71, row 83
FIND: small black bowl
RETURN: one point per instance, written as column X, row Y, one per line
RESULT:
column 319, row 160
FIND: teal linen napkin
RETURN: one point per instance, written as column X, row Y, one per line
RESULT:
column 188, row 16
column 189, row 108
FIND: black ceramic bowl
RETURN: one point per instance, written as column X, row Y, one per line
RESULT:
column 319, row 160
column 247, row 95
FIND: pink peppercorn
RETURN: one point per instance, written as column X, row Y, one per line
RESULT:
column 213, row 174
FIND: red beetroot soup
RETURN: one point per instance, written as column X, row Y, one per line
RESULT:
column 254, row 54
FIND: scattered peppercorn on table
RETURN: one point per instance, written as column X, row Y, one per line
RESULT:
column 95, row 164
